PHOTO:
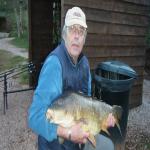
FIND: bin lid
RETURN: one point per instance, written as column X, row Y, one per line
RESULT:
column 118, row 67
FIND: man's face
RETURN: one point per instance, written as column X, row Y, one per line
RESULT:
column 75, row 39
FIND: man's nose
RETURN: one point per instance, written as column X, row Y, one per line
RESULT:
column 76, row 35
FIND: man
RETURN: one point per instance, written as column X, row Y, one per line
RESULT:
column 66, row 68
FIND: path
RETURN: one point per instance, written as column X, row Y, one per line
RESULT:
column 5, row 44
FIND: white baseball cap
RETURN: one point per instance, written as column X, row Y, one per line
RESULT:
column 75, row 15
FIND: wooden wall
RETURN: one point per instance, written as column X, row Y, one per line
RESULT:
column 116, row 31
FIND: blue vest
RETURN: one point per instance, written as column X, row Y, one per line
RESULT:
column 75, row 77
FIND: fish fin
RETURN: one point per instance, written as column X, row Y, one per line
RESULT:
column 118, row 126
column 117, row 111
column 104, row 127
column 80, row 146
column 105, row 130
column 91, row 138
column 61, row 140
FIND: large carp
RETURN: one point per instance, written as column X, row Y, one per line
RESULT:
column 72, row 107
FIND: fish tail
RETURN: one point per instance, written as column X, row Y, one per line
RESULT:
column 117, row 112
column 92, row 139
column 118, row 126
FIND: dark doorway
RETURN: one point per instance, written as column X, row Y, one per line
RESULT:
column 3, row 24
column 44, row 31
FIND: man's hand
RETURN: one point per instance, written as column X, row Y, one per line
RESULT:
column 78, row 135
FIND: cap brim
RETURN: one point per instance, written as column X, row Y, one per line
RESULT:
column 75, row 21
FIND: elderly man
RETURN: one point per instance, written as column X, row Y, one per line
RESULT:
column 66, row 68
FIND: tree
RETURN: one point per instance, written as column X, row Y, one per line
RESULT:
column 14, row 10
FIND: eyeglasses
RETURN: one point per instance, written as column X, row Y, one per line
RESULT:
column 77, row 29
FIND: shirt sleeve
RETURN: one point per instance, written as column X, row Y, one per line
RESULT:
column 89, row 92
column 49, row 87
column 89, row 83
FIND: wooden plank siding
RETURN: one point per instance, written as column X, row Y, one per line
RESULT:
column 140, row 2
column 116, row 31
column 124, row 6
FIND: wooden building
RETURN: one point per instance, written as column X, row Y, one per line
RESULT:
column 116, row 31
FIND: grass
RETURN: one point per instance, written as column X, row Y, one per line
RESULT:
column 8, row 61
column 147, row 38
column 147, row 146
column 21, row 42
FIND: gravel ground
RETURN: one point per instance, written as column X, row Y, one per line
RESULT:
column 138, row 130
column 15, row 134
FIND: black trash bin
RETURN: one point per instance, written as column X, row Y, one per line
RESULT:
column 113, row 81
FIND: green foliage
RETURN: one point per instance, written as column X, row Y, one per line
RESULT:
column 12, row 18
column 56, row 23
column 21, row 42
column 148, row 38
column 24, row 78
column 9, row 5
column 146, row 146
column 8, row 61
column 4, row 59
column 3, row 5
column 15, row 60
column 16, row 12
column 17, row 15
